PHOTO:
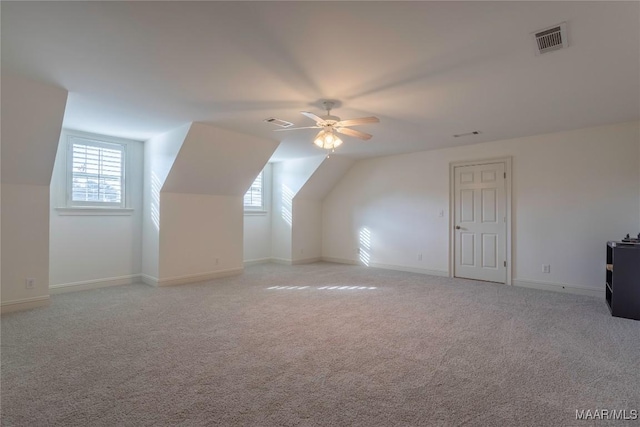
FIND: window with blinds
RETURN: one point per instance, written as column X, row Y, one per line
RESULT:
column 96, row 173
column 254, row 198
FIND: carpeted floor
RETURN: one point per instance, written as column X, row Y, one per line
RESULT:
column 409, row 350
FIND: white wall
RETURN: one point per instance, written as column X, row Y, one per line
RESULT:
column 288, row 178
column 306, row 236
column 291, row 230
column 195, row 179
column 210, row 175
column 159, row 154
column 281, row 216
column 32, row 114
column 572, row 191
column 257, row 226
column 307, row 208
column 25, row 241
column 196, row 230
column 96, row 249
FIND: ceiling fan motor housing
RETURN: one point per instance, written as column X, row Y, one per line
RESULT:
column 331, row 125
column 331, row 120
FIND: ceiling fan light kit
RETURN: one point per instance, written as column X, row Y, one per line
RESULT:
column 327, row 138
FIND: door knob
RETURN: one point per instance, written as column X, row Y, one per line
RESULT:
column 457, row 227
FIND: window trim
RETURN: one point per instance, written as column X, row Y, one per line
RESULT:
column 256, row 210
column 94, row 142
column 93, row 208
column 94, row 211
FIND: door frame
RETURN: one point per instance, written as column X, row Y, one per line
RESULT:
column 452, row 197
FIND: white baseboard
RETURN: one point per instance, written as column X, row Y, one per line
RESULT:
column 149, row 280
column 94, row 284
column 440, row 273
column 282, row 261
column 190, row 278
column 559, row 287
column 339, row 260
column 306, row 261
column 24, row 304
column 256, row 261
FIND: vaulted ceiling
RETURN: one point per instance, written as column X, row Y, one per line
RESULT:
column 428, row 70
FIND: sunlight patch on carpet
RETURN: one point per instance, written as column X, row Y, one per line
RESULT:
column 351, row 288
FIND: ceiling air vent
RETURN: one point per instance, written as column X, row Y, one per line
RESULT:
column 550, row 39
column 475, row 132
column 278, row 122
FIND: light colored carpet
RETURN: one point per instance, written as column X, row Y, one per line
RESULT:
column 416, row 350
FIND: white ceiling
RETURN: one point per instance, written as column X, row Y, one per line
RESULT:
column 427, row 69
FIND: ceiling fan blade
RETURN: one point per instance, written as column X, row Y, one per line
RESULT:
column 354, row 133
column 307, row 127
column 360, row 121
column 313, row 117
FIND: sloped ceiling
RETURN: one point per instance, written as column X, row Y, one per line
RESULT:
column 32, row 114
column 295, row 173
column 427, row 69
column 324, row 178
column 217, row 161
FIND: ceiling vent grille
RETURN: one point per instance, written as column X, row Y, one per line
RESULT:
column 550, row 39
column 278, row 122
column 475, row 132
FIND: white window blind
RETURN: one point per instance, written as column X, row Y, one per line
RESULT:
column 253, row 199
column 96, row 173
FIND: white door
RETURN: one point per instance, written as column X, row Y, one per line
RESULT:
column 480, row 222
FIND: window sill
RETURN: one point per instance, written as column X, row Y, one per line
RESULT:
column 93, row 211
column 255, row 212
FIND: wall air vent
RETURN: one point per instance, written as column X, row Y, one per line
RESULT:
column 550, row 39
column 278, row 122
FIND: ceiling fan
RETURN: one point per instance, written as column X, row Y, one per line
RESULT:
column 329, row 124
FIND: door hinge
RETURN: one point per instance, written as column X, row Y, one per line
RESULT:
column 505, row 263
column 505, row 175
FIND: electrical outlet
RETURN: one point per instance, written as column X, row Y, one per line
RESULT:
column 441, row 214
column 419, row 257
column 546, row 268
column 301, row 251
column 30, row 283
column 217, row 261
